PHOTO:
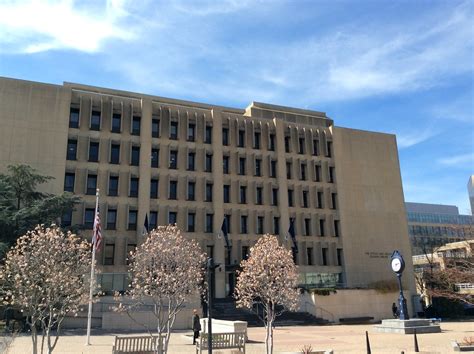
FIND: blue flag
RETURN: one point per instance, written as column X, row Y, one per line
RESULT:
column 291, row 231
column 145, row 226
column 225, row 232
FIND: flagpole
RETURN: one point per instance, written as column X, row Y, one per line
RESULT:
column 92, row 280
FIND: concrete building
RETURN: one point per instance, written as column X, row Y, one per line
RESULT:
column 195, row 164
column 470, row 190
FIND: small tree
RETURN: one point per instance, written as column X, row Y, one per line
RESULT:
column 45, row 276
column 166, row 269
column 268, row 277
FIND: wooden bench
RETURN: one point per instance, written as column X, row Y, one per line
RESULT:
column 222, row 341
column 356, row 320
column 137, row 344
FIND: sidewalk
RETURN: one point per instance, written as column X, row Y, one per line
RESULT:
column 340, row 338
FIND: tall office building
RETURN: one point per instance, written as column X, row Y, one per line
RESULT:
column 262, row 168
column 470, row 190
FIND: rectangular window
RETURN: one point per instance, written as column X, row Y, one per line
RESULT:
column 290, row 197
column 329, row 149
column 208, row 163
column 228, row 219
column 95, row 120
column 155, row 128
column 259, row 196
column 116, row 123
column 89, row 214
column 71, row 149
column 93, row 151
column 132, row 219
column 191, row 190
column 154, row 188
column 208, row 137
column 226, row 193
column 242, row 165
column 301, row 145
column 258, row 167
column 272, row 142
column 134, row 187
column 225, row 136
column 339, row 256
column 243, row 195
column 273, row 169
column 113, row 186
column 172, row 217
column 131, row 247
column 209, row 223
column 334, row 200
column 260, row 225
column 325, row 256
column 274, row 196
column 309, row 255
column 276, row 225
column 225, row 164
column 136, row 121
column 320, row 200
column 191, row 132
column 241, row 142
column 307, row 227
column 321, row 227
column 337, row 228
column 135, row 161
column 91, row 184
column 173, row 130
column 287, row 144
column 256, row 140
column 155, row 157
column 73, row 117
column 317, row 171
column 173, row 191
column 243, row 224
column 208, row 192
column 109, row 253
column 111, row 219
column 315, row 147
column 115, row 154
column 191, row 161
column 66, row 219
column 288, row 170
column 332, row 175
column 305, row 199
column 69, row 180
column 153, row 222
column 303, row 171
column 173, row 163
column 191, row 222
column 245, row 252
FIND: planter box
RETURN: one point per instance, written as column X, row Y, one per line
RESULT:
column 462, row 347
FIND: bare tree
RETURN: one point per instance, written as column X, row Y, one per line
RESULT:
column 166, row 270
column 269, row 278
column 45, row 276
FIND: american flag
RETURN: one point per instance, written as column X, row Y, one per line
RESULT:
column 97, row 232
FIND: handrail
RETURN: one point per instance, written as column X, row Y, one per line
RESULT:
column 321, row 310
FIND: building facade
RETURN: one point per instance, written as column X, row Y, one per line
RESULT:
column 263, row 169
column 470, row 191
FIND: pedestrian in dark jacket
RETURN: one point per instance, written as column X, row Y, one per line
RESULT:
column 394, row 310
column 196, row 326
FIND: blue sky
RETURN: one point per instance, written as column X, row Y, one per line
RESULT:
column 402, row 67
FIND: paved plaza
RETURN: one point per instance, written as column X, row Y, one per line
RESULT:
column 340, row 338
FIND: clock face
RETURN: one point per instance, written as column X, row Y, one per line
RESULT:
column 396, row 265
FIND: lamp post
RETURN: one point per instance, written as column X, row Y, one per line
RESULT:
column 398, row 265
column 210, row 269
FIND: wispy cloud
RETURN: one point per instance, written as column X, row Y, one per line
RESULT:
column 406, row 140
column 463, row 160
column 460, row 109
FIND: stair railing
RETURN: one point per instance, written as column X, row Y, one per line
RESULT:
column 319, row 311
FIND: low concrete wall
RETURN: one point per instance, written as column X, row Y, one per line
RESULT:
column 222, row 326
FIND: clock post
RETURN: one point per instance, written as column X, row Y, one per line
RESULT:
column 398, row 265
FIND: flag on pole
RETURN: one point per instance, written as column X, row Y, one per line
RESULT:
column 291, row 231
column 145, row 226
column 97, row 232
column 225, row 231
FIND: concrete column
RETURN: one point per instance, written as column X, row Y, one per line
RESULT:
column 281, row 181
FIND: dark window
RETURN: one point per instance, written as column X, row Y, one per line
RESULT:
column 91, row 184
column 113, row 186
column 73, row 117
column 95, row 120
column 225, row 164
column 226, row 193
column 288, row 170
column 135, row 156
column 241, row 138
column 301, row 145
column 325, row 256
column 321, row 227
column 208, row 162
column 173, row 189
column 276, row 225
column 303, row 171
column 191, row 132
column 155, row 157
column 307, row 227
column 115, row 153
column 89, row 214
column 191, row 222
column 132, row 219
column 208, row 192
column 208, row 137
column 174, row 130
column 274, row 196
column 272, row 142
column 329, row 149
column 111, row 219
column 109, row 253
column 305, row 199
column 320, row 200
column 136, row 120
column 331, row 175
column 260, row 226
column 155, row 128
column 210, row 251
column 334, row 200
column 93, row 151
column 173, row 159
column 71, row 149
column 316, row 147
column 69, row 180
column 336, row 228
column 245, row 252
column 116, row 123
column 287, row 144
column 256, row 140
column 243, row 195
column 259, row 196
column 318, row 173
column 258, row 167
column 153, row 222
column 339, row 256
column 134, row 187
column 290, row 197
column 225, row 136
column 243, row 224
column 191, row 161
column 172, row 217
column 273, row 169
column 66, row 219
column 154, row 188
column 309, row 255
column 228, row 219
column 191, row 190
column 209, row 223
column 242, row 166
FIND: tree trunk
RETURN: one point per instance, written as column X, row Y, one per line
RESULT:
column 34, row 339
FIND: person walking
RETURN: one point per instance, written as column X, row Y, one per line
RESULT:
column 196, row 326
column 394, row 310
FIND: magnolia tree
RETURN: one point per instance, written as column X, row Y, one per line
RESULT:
column 269, row 278
column 166, row 269
column 45, row 275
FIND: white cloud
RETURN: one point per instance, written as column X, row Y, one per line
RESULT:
column 462, row 160
column 459, row 109
column 31, row 26
column 410, row 139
